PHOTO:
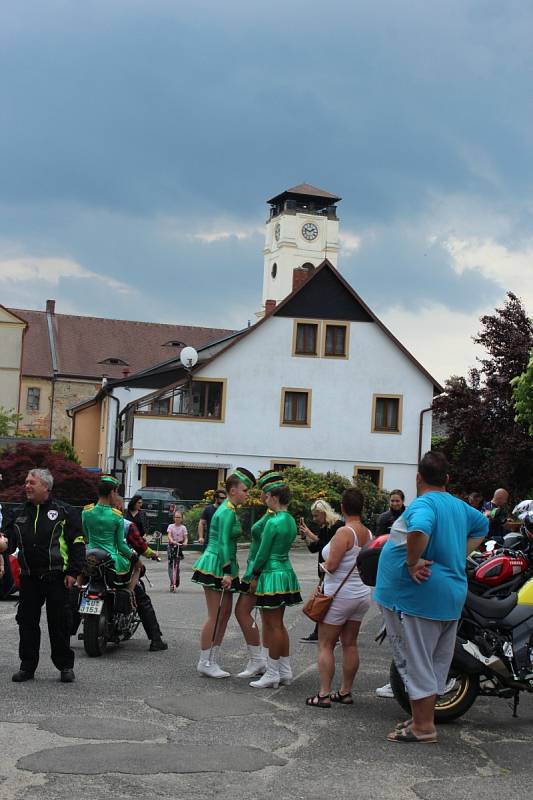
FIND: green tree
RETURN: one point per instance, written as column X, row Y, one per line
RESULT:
column 486, row 445
column 8, row 421
column 63, row 447
column 523, row 396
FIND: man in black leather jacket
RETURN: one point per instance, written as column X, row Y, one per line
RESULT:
column 51, row 555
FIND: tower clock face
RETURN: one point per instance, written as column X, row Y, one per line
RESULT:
column 309, row 231
column 277, row 231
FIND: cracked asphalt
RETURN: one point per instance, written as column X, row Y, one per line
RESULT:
column 140, row 723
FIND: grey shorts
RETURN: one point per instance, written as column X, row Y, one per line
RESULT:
column 422, row 650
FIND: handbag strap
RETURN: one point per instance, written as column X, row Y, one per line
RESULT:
column 337, row 590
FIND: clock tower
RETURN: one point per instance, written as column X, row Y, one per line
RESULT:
column 301, row 231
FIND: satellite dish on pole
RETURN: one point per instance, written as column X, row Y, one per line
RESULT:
column 189, row 357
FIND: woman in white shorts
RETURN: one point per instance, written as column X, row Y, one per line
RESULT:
column 347, row 609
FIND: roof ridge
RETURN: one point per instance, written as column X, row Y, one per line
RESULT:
column 129, row 321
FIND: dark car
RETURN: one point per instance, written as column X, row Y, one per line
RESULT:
column 159, row 505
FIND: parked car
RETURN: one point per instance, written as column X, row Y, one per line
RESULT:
column 159, row 505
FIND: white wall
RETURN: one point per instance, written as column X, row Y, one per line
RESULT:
column 340, row 435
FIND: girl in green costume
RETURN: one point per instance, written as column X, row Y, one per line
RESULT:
column 217, row 571
column 245, row 604
column 275, row 585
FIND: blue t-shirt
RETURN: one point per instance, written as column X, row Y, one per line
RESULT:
column 448, row 522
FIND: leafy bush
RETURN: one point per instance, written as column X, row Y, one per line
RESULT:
column 72, row 483
column 306, row 486
column 63, row 447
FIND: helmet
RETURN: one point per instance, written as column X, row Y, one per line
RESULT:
column 367, row 560
column 514, row 541
column 524, row 512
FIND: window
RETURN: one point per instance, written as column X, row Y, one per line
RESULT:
column 374, row 473
column 296, row 407
column 336, row 340
column 115, row 361
column 305, row 339
column 199, row 400
column 387, row 414
column 279, row 466
column 33, row 399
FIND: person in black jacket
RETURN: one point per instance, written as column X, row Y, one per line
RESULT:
column 51, row 555
column 328, row 523
column 396, row 509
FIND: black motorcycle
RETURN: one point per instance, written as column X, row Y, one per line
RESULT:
column 493, row 654
column 109, row 613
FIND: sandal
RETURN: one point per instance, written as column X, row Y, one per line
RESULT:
column 406, row 736
column 344, row 699
column 401, row 726
column 318, row 701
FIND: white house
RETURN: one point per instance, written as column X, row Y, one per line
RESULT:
column 318, row 381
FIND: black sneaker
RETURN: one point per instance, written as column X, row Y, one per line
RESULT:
column 67, row 676
column 21, row 676
column 158, row 644
column 313, row 637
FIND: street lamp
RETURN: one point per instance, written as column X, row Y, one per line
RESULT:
column 189, row 359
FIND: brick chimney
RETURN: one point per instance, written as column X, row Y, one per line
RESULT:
column 270, row 305
column 300, row 276
column 50, row 306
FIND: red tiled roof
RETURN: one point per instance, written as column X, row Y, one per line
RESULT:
column 83, row 342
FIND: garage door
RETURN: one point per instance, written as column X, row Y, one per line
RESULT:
column 189, row 483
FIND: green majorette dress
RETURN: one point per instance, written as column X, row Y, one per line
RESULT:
column 256, row 533
column 220, row 556
column 103, row 527
column 277, row 584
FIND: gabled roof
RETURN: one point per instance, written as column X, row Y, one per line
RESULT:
column 10, row 313
column 83, row 343
column 314, row 286
column 305, row 190
column 360, row 312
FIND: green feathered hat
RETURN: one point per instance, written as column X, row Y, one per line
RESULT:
column 245, row 476
column 270, row 480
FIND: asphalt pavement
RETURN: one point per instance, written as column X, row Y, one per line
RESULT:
column 137, row 723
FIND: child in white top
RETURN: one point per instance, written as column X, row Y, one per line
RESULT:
column 177, row 537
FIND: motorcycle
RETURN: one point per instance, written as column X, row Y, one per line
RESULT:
column 493, row 654
column 108, row 613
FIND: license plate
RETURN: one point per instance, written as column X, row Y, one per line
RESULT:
column 151, row 513
column 91, row 606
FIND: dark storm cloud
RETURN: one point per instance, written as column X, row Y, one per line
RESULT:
column 118, row 115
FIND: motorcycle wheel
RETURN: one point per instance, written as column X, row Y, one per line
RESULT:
column 449, row 706
column 94, row 638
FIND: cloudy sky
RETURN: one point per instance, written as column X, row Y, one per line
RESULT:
column 139, row 140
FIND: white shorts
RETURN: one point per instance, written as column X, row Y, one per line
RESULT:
column 344, row 609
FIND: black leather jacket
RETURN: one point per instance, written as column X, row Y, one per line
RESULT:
column 49, row 538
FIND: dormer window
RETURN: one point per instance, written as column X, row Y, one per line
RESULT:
column 173, row 343
column 117, row 362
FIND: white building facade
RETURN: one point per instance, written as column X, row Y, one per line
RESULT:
column 318, row 382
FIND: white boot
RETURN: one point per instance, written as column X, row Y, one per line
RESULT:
column 209, row 667
column 285, row 671
column 270, row 679
column 256, row 662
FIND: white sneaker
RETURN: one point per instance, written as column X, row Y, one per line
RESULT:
column 211, row 670
column 270, row 680
column 450, row 686
column 385, row 691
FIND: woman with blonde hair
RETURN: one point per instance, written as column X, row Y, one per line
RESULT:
column 328, row 522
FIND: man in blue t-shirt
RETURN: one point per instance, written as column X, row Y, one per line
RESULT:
column 421, row 586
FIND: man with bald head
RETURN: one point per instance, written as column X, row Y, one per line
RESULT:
column 497, row 514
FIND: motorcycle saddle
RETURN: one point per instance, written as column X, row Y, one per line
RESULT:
column 492, row 607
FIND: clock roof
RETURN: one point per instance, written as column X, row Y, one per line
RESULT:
column 305, row 190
